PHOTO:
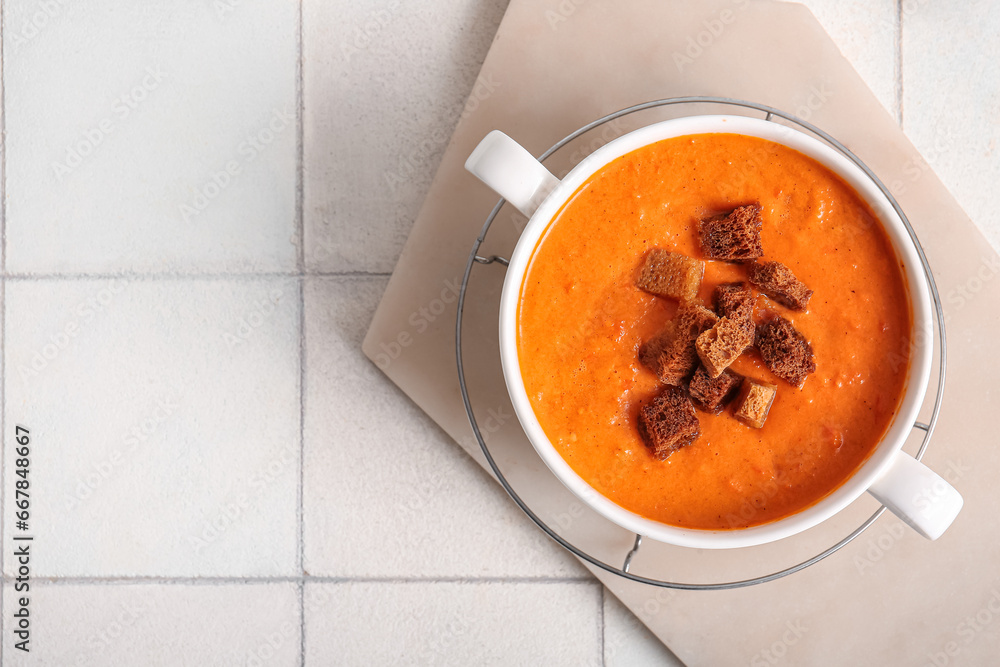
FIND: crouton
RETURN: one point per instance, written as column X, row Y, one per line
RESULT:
column 671, row 274
column 737, row 302
column 734, row 236
column 734, row 300
column 722, row 344
column 785, row 351
column 668, row 422
column 754, row 401
column 711, row 394
column 778, row 282
column 671, row 355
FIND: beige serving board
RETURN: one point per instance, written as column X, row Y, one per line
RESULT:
column 889, row 597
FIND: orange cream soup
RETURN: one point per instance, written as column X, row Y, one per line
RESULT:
column 581, row 321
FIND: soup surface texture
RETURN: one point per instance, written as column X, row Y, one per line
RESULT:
column 581, row 320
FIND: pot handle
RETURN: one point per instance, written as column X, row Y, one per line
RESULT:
column 918, row 496
column 511, row 171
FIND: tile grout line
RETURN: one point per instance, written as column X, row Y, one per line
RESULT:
column 218, row 581
column 300, row 510
column 899, row 62
column 603, row 621
column 301, row 261
column 348, row 274
column 3, row 152
column 264, row 275
column 3, row 448
column 302, row 623
column 299, row 152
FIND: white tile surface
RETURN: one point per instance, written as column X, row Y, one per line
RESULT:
column 386, row 493
column 453, row 624
column 384, row 85
column 119, row 115
column 82, row 625
column 149, row 421
column 951, row 88
column 867, row 33
column 165, row 422
column 628, row 643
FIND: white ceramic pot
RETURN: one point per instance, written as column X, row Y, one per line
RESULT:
column 908, row 488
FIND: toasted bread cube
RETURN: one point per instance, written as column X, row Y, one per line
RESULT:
column 778, row 282
column 734, row 300
column 722, row 344
column 668, row 422
column 711, row 394
column 733, row 236
column 671, row 355
column 671, row 274
column 754, row 401
column 785, row 351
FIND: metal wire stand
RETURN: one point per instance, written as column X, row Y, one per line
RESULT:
column 623, row 570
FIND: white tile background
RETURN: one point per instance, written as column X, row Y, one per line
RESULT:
column 202, row 201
